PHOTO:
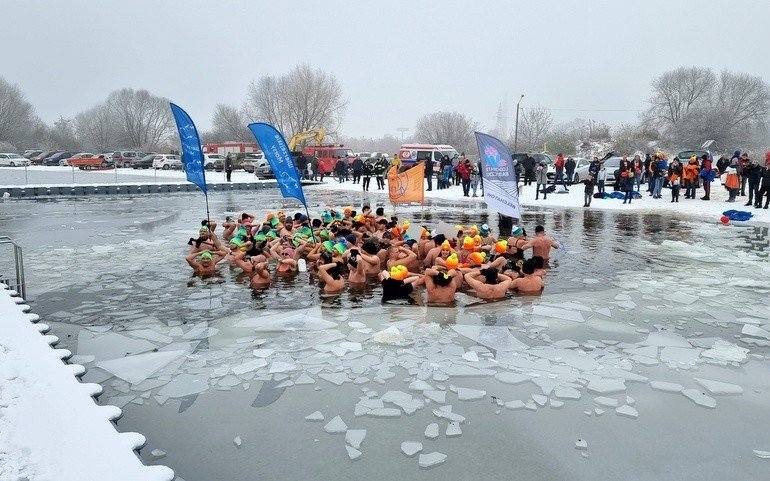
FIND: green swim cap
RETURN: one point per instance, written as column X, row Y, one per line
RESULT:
column 324, row 233
column 328, row 245
column 206, row 256
column 340, row 248
column 236, row 241
column 272, row 234
column 260, row 237
column 274, row 221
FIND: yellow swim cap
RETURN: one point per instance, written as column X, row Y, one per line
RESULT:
column 399, row 272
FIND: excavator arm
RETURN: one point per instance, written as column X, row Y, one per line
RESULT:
column 297, row 139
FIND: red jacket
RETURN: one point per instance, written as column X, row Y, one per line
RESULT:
column 464, row 170
column 559, row 162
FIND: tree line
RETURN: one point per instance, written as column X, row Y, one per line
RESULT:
column 686, row 107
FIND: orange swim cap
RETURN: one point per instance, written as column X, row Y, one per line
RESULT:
column 477, row 258
column 446, row 246
column 452, row 262
column 399, row 273
column 501, row 246
column 468, row 243
column 477, row 240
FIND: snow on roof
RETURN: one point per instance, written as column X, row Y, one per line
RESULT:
column 50, row 426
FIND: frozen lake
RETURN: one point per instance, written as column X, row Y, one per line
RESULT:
column 644, row 358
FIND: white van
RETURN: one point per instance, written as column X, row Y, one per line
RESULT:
column 409, row 154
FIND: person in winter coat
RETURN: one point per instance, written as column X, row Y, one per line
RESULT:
column 339, row 169
column 601, row 178
column 675, row 179
column 589, row 191
column 764, row 189
column 228, row 167
column 429, row 173
column 569, row 169
column 358, row 169
column 475, row 177
column 646, row 172
column 732, row 182
column 626, row 175
column 751, row 173
column 707, row 175
column 368, row 171
column 659, row 174
column 314, row 168
column 742, row 163
column 541, row 179
column 638, row 167
column 690, row 174
column 529, row 169
column 465, row 169
column 559, row 166
column 722, row 163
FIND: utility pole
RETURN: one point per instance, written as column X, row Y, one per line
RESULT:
column 516, row 131
column 402, row 130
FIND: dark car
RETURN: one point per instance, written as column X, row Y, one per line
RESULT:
column 38, row 159
column 685, row 155
column 143, row 163
column 57, row 158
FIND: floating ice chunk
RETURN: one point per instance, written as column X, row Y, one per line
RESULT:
column 391, row 335
column 514, row 405
column 249, row 366
column 531, row 405
column 315, row 417
column 664, row 339
column 511, row 377
column 754, row 331
column 437, row 396
column 229, row 381
column 338, row 378
column 453, row 430
column 136, row 369
column 556, row 404
column 430, row 460
column 282, row 366
column 604, row 311
column 598, row 411
column 567, row 393
column 606, row 401
column 680, row 355
column 356, row 325
column 336, row 426
column 557, row 313
column 565, row 344
column 185, row 385
column 762, row 454
column 630, row 401
column 237, row 441
column 467, row 394
column 384, row 413
column 471, row 356
column 300, row 320
column 353, row 453
column 410, row 448
column 448, row 414
column 419, row 385
column 466, row 371
column 81, row 359
column 723, row 351
column 700, row 398
column 581, row 444
column 606, row 386
column 646, row 351
column 718, row 387
column 201, row 332
column 110, row 345
column 355, row 437
column 304, row 379
column 498, row 338
column 627, row 411
column 431, row 431
column 666, row 386
column 150, row 335
column 540, row 399
column 263, row 353
column 546, row 385
column 351, row 346
column 158, row 453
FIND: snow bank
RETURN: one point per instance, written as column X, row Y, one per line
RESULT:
column 708, row 210
column 50, row 427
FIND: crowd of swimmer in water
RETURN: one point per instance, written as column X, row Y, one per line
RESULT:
column 343, row 247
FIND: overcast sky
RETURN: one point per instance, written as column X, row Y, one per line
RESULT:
column 396, row 59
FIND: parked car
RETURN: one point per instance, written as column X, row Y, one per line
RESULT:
column 31, row 153
column 86, row 161
column 254, row 161
column 144, row 163
column 685, row 155
column 13, row 160
column 581, row 169
column 80, row 155
column 611, row 165
column 57, row 159
column 210, row 160
column 39, row 158
column 166, row 162
column 539, row 157
column 107, row 156
column 123, row 158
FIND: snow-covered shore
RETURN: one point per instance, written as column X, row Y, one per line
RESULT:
column 50, row 427
column 707, row 210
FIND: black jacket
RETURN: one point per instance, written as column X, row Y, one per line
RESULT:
column 529, row 163
column 753, row 172
column 764, row 174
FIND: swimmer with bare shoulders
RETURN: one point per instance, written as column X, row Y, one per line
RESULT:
column 204, row 263
column 331, row 275
column 541, row 245
column 530, row 283
column 493, row 286
column 356, row 267
column 442, row 285
column 287, row 263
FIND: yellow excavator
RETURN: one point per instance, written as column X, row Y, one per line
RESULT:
column 295, row 142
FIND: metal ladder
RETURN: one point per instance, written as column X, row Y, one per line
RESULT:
column 16, row 283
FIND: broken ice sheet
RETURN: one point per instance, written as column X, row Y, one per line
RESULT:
column 110, row 345
column 498, row 338
column 430, row 460
column 410, row 448
column 299, row 320
column 185, row 385
column 557, row 313
column 355, row 437
column 700, row 398
column 336, row 426
column 718, row 387
column 136, row 369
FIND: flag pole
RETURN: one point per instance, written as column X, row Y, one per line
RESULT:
column 312, row 234
column 208, row 214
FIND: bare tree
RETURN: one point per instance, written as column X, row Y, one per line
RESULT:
column 95, row 128
column 677, row 92
column 388, row 144
column 229, row 124
column 629, row 138
column 534, row 126
column 142, row 120
column 449, row 128
column 301, row 100
column 17, row 116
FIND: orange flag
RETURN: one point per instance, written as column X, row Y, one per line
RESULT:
column 407, row 186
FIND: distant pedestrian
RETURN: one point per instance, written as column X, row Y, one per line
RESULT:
column 368, row 171
column 379, row 172
column 358, row 169
column 732, row 182
column 559, row 176
column 339, row 170
column 690, row 174
column 429, row 172
column 638, row 168
column 465, row 168
column 601, row 178
column 529, row 169
column 475, row 177
column 764, row 189
column 541, row 180
column 674, row 179
column 589, row 191
column 626, row 173
column 229, row 167
column 569, row 169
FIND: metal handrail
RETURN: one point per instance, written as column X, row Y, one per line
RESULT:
column 19, row 285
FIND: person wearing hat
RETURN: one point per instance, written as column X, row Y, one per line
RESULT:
column 204, row 263
column 401, row 255
column 541, row 180
column 486, row 236
column 690, row 177
column 588, row 191
column 742, row 163
column 732, row 180
column 398, row 284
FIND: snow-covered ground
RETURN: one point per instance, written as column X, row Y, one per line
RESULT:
column 50, row 427
column 708, row 210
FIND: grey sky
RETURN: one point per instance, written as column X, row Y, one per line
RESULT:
column 396, row 59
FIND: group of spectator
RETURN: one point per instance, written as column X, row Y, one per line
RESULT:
column 457, row 171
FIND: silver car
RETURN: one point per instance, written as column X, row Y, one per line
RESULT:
column 13, row 160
